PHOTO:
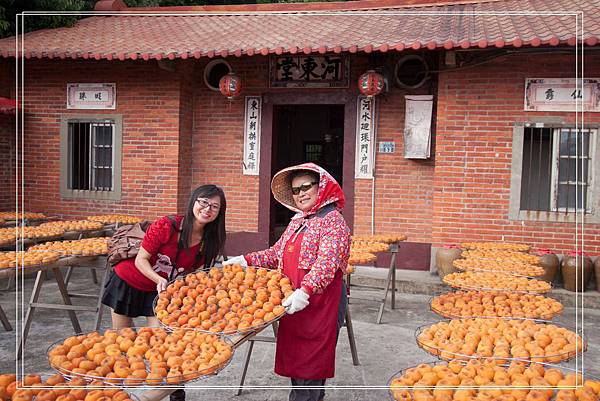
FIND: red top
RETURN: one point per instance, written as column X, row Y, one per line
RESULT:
column 306, row 340
column 160, row 241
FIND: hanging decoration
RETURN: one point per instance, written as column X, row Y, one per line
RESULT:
column 230, row 85
column 371, row 83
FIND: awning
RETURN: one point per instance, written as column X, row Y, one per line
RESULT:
column 8, row 106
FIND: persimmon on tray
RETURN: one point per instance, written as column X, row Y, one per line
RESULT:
column 57, row 388
column 506, row 246
column 495, row 281
column 224, row 301
column 358, row 257
column 486, row 380
column 9, row 234
column 463, row 304
column 81, row 247
column 74, row 225
column 386, row 238
column 502, row 256
column 27, row 258
column 500, row 339
column 144, row 356
column 371, row 247
column 503, row 266
column 23, row 215
column 115, row 218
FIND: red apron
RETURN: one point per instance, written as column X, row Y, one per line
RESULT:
column 306, row 340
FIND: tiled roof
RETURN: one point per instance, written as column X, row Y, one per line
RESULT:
column 380, row 25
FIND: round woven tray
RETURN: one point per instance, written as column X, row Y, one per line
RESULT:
column 480, row 288
column 453, row 316
column 564, row 369
column 230, row 333
column 131, row 382
column 449, row 355
column 46, row 376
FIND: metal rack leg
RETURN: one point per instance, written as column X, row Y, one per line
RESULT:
column 99, row 305
column 4, row 320
column 393, row 268
column 251, row 342
column 39, row 281
column 246, row 363
column 351, row 338
column 68, row 275
column 389, row 282
column 387, row 288
column 66, row 299
column 9, row 283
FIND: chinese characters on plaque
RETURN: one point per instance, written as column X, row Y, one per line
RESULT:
column 91, row 96
column 252, row 135
column 365, row 137
column 562, row 94
column 325, row 71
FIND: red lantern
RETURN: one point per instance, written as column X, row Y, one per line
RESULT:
column 230, row 85
column 371, row 83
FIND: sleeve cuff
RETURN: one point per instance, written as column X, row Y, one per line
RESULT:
column 308, row 289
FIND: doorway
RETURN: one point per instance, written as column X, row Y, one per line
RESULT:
column 305, row 133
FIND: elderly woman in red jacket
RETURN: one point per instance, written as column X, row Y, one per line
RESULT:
column 313, row 252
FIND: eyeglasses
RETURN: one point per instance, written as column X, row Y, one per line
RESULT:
column 203, row 203
column 304, row 187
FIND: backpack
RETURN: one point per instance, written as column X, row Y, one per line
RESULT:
column 126, row 241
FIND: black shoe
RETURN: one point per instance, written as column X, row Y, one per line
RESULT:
column 177, row 395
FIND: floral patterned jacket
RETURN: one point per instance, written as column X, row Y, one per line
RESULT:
column 325, row 248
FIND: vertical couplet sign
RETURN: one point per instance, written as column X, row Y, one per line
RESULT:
column 365, row 137
column 252, row 135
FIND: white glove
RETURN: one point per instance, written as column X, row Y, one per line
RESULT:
column 236, row 260
column 297, row 301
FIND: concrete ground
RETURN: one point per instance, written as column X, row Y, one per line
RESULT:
column 382, row 349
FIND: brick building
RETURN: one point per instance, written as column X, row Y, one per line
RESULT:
column 500, row 167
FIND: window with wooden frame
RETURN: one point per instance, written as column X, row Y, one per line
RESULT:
column 91, row 157
column 554, row 173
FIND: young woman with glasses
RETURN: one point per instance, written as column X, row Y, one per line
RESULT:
column 172, row 245
column 313, row 252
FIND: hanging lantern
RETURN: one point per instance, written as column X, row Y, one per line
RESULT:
column 230, row 85
column 371, row 83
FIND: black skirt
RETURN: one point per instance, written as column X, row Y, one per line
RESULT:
column 126, row 300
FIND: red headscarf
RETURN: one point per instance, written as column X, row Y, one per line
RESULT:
column 329, row 189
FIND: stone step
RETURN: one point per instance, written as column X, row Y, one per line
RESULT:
column 424, row 282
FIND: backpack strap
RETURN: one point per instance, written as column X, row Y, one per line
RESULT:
column 180, row 246
column 175, row 230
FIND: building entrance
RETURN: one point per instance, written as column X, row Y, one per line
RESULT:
column 305, row 133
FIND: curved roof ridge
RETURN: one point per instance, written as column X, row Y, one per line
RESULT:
column 356, row 5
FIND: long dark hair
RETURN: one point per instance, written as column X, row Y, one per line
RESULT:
column 213, row 238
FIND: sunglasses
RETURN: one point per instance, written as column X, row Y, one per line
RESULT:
column 304, row 187
column 203, row 203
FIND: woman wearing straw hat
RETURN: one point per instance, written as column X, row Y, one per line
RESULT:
column 313, row 252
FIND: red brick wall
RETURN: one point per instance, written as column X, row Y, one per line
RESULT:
column 403, row 187
column 7, row 139
column 477, row 109
column 7, row 162
column 186, row 101
column 218, row 143
column 147, row 97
